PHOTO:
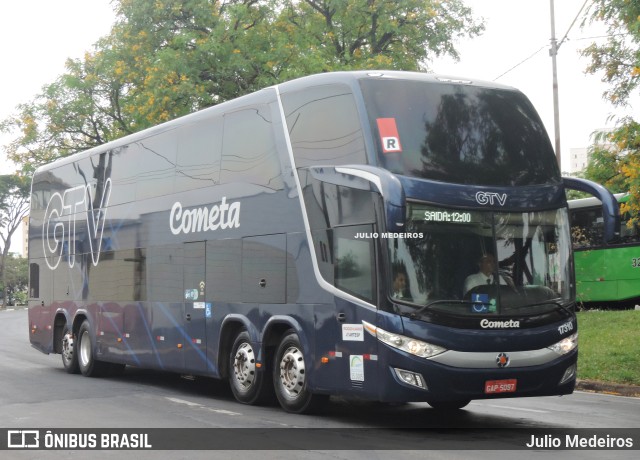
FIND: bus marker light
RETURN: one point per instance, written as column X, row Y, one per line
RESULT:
column 569, row 374
column 324, row 360
column 411, row 378
column 179, row 345
column 119, row 339
column 258, row 365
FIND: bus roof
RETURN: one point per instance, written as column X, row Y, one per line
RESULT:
column 346, row 77
column 594, row 202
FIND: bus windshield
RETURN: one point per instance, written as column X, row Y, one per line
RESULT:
column 458, row 133
column 469, row 262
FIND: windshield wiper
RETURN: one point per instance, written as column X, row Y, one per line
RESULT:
column 557, row 301
column 424, row 308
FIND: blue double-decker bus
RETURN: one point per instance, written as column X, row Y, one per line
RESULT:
column 386, row 236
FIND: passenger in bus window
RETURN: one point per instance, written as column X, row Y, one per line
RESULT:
column 401, row 284
column 486, row 274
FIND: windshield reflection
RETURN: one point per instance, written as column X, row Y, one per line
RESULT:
column 469, row 262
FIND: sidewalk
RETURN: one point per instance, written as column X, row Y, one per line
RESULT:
column 593, row 386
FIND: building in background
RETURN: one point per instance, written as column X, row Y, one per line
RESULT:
column 579, row 159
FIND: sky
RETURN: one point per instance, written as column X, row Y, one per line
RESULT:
column 521, row 29
column 37, row 36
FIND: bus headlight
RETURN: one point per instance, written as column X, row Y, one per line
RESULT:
column 565, row 345
column 413, row 346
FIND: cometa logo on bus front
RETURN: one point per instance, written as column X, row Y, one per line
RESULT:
column 204, row 219
column 486, row 324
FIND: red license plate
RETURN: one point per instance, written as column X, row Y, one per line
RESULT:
column 500, row 386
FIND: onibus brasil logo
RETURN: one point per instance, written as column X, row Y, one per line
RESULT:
column 60, row 222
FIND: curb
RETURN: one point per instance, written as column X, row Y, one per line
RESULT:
column 616, row 389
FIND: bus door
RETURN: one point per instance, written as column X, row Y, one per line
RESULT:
column 194, row 348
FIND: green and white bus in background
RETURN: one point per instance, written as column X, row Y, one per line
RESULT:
column 607, row 274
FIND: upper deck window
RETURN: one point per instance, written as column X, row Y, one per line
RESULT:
column 324, row 126
column 458, row 133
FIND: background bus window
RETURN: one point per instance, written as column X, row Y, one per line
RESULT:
column 587, row 228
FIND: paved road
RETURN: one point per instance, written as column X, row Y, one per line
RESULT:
column 35, row 392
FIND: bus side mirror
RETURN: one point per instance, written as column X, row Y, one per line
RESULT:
column 369, row 178
column 610, row 206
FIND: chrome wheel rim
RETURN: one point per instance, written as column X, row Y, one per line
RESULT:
column 244, row 366
column 67, row 347
column 292, row 372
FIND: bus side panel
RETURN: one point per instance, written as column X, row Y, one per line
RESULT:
column 623, row 264
column 590, row 283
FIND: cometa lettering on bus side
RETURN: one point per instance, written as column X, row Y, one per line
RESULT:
column 204, row 219
column 486, row 324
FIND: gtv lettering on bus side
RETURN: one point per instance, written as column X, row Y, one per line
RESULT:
column 58, row 232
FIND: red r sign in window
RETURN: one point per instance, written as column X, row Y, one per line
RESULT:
column 389, row 135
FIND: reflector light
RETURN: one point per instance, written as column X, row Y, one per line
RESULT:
column 411, row 378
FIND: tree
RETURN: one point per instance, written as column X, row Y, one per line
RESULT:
column 166, row 58
column 14, row 206
column 619, row 61
column 16, row 274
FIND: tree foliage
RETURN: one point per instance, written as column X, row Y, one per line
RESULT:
column 14, row 206
column 166, row 58
column 618, row 59
column 16, row 280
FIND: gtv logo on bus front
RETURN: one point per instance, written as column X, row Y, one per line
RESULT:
column 59, row 234
column 491, row 198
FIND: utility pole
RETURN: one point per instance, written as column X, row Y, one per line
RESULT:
column 556, row 109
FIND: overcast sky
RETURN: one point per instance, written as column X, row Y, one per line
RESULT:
column 37, row 36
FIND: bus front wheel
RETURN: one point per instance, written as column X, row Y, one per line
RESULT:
column 69, row 352
column 449, row 405
column 290, row 377
column 248, row 384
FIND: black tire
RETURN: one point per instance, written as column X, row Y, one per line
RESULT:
column 290, row 377
column 248, row 383
column 89, row 366
column 68, row 347
column 449, row 405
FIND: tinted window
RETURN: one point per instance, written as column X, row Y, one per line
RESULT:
column 249, row 151
column 198, row 162
column 34, row 280
column 324, row 126
column 459, row 134
column 152, row 163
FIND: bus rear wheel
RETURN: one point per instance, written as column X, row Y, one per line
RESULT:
column 248, row 384
column 88, row 364
column 290, row 377
column 69, row 352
